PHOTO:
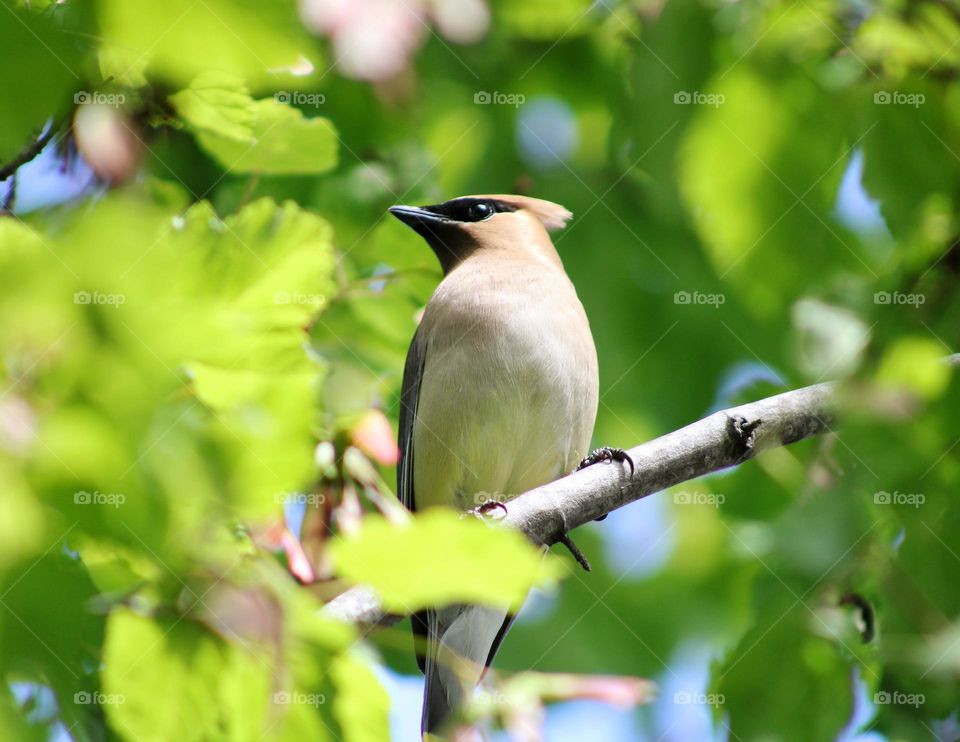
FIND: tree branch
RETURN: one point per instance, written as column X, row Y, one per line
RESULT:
column 29, row 152
column 722, row 440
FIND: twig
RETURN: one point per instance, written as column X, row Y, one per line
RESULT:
column 29, row 152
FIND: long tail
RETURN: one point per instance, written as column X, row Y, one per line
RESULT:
column 462, row 641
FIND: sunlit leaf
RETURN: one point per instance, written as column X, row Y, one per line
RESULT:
column 439, row 557
column 285, row 142
column 219, row 104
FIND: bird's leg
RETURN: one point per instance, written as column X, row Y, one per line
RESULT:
column 489, row 506
column 606, row 454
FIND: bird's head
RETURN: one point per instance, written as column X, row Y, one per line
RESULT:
column 458, row 228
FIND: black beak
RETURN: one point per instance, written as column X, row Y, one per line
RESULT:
column 414, row 216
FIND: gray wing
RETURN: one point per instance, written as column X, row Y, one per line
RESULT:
column 409, row 398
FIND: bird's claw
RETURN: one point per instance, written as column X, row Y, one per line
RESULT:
column 487, row 507
column 491, row 505
column 607, row 454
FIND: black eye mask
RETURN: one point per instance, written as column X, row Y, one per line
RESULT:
column 469, row 209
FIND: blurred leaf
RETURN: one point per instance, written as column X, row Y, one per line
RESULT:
column 756, row 185
column 284, row 142
column 818, row 674
column 44, row 52
column 439, row 558
column 361, row 705
column 918, row 364
column 217, row 103
column 181, row 39
column 176, row 680
column 544, row 20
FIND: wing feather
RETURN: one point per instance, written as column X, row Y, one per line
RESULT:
column 409, row 399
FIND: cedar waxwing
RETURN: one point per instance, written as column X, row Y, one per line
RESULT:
column 500, row 393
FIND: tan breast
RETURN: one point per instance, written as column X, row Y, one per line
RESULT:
column 509, row 393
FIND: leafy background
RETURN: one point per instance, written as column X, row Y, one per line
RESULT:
column 205, row 313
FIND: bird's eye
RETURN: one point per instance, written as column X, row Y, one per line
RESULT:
column 480, row 211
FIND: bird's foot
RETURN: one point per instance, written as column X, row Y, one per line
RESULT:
column 487, row 508
column 606, row 454
column 491, row 506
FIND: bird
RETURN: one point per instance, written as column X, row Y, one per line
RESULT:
column 499, row 395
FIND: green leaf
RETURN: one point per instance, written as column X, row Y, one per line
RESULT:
column 818, row 677
column 22, row 529
column 176, row 680
column 361, row 705
column 51, row 633
column 219, row 104
column 916, row 363
column 273, row 266
column 48, row 71
column 760, row 190
column 284, row 143
column 439, row 557
column 207, row 311
column 546, row 20
column 180, row 39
